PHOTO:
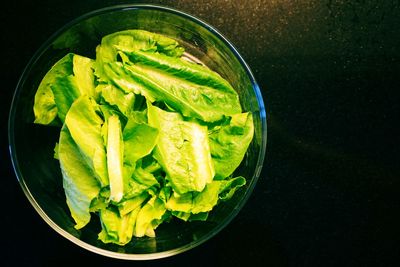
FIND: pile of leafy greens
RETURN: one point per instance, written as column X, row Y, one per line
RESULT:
column 146, row 134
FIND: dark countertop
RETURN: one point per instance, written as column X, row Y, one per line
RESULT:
column 328, row 194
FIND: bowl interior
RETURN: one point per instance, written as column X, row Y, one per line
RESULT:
column 32, row 145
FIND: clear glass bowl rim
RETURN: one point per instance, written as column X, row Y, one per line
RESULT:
column 156, row 255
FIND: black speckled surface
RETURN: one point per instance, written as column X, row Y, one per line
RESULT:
column 330, row 77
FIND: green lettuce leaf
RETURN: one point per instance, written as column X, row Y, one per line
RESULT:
column 139, row 138
column 45, row 108
column 181, row 215
column 83, row 68
column 139, row 141
column 187, row 216
column 196, row 202
column 139, row 181
column 183, row 150
column 149, row 217
column 144, row 177
column 129, row 205
column 117, row 74
column 207, row 199
column 180, row 203
column 115, row 154
column 55, row 155
column 228, row 187
column 65, row 92
column 116, row 97
column 115, row 228
column 229, row 143
column 79, row 183
column 99, row 203
column 196, row 205
column 133, row 40
column 183, row 69
column 69, row 78
column 191, row 99
column 85, row 126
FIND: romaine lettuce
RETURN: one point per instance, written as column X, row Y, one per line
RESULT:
column 191, row 203
column 115, row 154
column 147, row 135
column 183, row 69
column 133, row 40
column 114, row 96
column 85, row 125
column 149, row 216
column 115, row 228
column 190, row 99
column 79, row 182
column 71, row 77
column 229, row 143
column 182, row 150
column 45, row 108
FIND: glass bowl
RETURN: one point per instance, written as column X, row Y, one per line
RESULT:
column 31, row 145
